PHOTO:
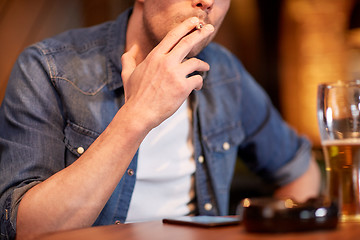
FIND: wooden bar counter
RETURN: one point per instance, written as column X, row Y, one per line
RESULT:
column 157, row 230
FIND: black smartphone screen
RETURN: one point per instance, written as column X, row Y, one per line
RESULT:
column 203, row 221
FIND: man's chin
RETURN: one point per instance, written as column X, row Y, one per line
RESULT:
column 196, row 50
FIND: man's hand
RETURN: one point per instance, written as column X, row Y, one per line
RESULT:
column 159, row 85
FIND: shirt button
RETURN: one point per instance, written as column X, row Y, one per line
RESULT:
column 226, row 146
column 130, row 172
column 117, row 222
column 201, row 159
column 208, row 206
column 80, row 150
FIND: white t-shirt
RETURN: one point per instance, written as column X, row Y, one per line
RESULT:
column 165, row 172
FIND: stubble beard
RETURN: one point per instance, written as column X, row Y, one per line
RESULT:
column 155, row 38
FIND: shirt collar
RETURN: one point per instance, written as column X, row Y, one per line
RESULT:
column 116, row 48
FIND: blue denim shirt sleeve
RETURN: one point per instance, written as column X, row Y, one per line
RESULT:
column 272, row 148
column 61, row 95
column 31, row 138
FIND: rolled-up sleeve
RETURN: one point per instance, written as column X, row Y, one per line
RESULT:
column 272, row 149
column 31, row 136
column 296, row 167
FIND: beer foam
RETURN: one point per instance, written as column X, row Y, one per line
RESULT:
column 341, row 142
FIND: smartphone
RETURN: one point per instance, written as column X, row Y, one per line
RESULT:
column 203, row 221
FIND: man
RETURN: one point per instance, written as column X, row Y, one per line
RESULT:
column 79, row 127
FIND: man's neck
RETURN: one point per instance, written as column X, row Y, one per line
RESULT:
column 136, row 34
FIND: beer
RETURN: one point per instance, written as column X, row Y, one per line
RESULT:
column 342, row 159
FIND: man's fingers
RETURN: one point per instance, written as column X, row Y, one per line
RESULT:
column 184, row 46
column 128, row 62
column 196, row 82
column 194, row 64
column 176, row 34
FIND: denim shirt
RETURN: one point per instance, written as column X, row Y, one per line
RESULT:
column 64, row 91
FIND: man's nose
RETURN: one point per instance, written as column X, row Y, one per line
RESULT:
column 204, row 5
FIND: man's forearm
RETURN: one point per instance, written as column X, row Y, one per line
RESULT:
column 306, row 186
column 74, row 197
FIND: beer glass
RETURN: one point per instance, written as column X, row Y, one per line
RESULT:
column 338, row 111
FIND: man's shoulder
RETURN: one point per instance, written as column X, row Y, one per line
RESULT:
column 78, row 40
column 80, row 56
column 81, row 40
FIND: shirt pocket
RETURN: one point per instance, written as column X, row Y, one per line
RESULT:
column 224, row 139
column 78, row 139
column 221, row 150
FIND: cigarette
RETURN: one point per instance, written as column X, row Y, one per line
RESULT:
column 199, row 26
